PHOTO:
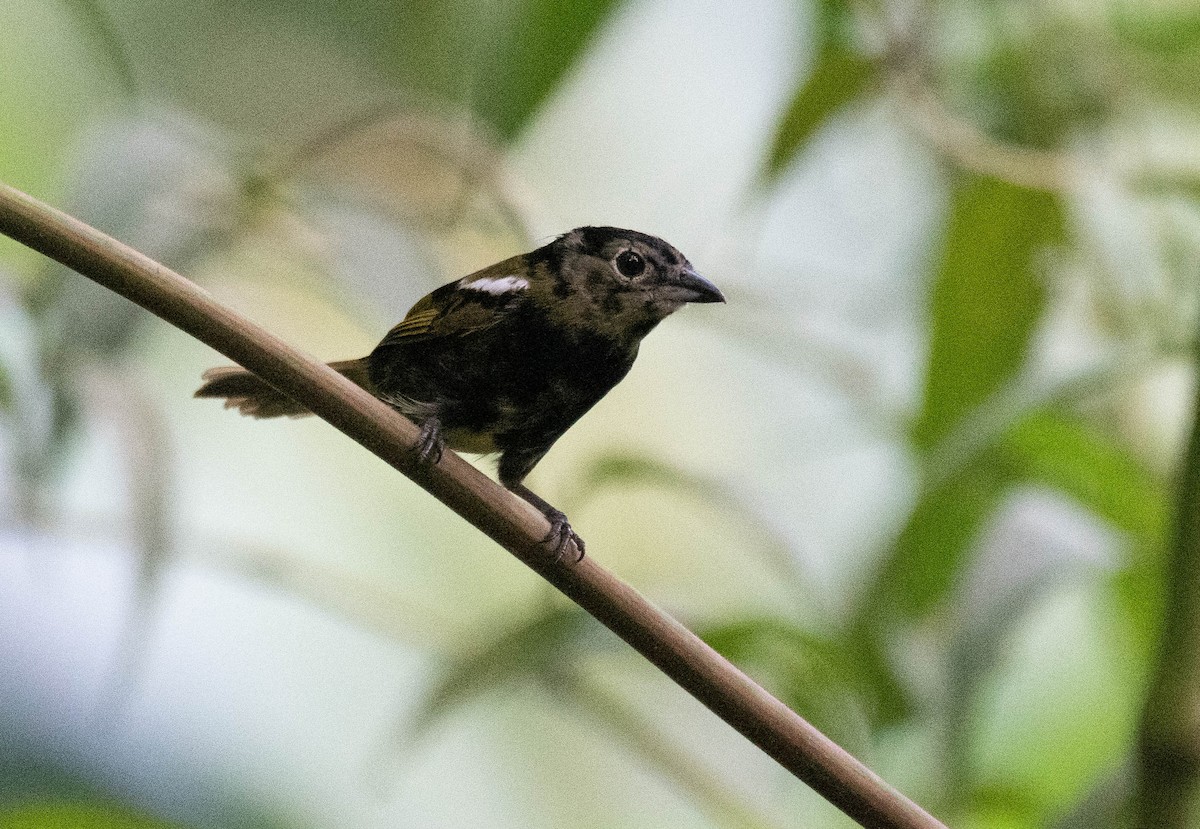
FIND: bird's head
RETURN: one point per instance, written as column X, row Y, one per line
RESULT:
column 618, row 282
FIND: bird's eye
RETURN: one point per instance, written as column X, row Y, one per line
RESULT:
column 630, row 263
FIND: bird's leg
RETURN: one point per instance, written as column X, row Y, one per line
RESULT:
column 430, row 443
column 560, row 529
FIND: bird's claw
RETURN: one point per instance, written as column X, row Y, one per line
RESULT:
column 562, row 535
column 430, row 444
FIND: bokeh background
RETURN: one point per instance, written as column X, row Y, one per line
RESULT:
column 917, row 477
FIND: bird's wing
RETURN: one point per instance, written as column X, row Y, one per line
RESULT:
column 471, row 304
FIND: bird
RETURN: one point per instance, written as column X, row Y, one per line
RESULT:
column 506, row 359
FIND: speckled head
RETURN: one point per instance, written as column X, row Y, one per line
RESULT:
column 619, row 281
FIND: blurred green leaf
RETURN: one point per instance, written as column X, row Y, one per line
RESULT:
column 888, row 699
column 503, row 62
column 1046, row 447
column 987, row 425
column 1102, row 805
column 544, row 43
column 1100, row 473
column 657, row 749
column 987, row 297
column 1002, row 807
column 815, row 676
column 1185, row 183
column 77, row 816
column 1049, row 447
column 521, row 652
column 620, row 469
column 1059, row 708
column 6, row 391
column 1042, row 81
column 1158, row 27
column 437, row 45
column 923, row 565
column 932, row 547
column 1174, row 78
column 1096, row 470
column 982, row 635
column 920, row 569
column 1056, row 449
column 838, row 76
column 98, row 24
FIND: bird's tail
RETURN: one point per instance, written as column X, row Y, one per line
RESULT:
column 253, row 396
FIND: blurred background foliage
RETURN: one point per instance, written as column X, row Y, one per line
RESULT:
column 917, row 477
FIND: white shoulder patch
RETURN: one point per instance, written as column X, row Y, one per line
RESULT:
column 497, row 285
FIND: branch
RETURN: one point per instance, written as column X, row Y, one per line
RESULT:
column 1168, row 756
column 697, row 668
column 972, row 149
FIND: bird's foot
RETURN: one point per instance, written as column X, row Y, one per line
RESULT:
column 562, row 535
column 430, row 443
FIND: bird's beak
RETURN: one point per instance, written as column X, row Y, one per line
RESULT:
column 696, row 288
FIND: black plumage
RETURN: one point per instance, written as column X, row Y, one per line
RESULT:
column 508, row 358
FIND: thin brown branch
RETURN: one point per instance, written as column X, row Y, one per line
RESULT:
column 679, row 653
column 1168, row 767
column 970, row 148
